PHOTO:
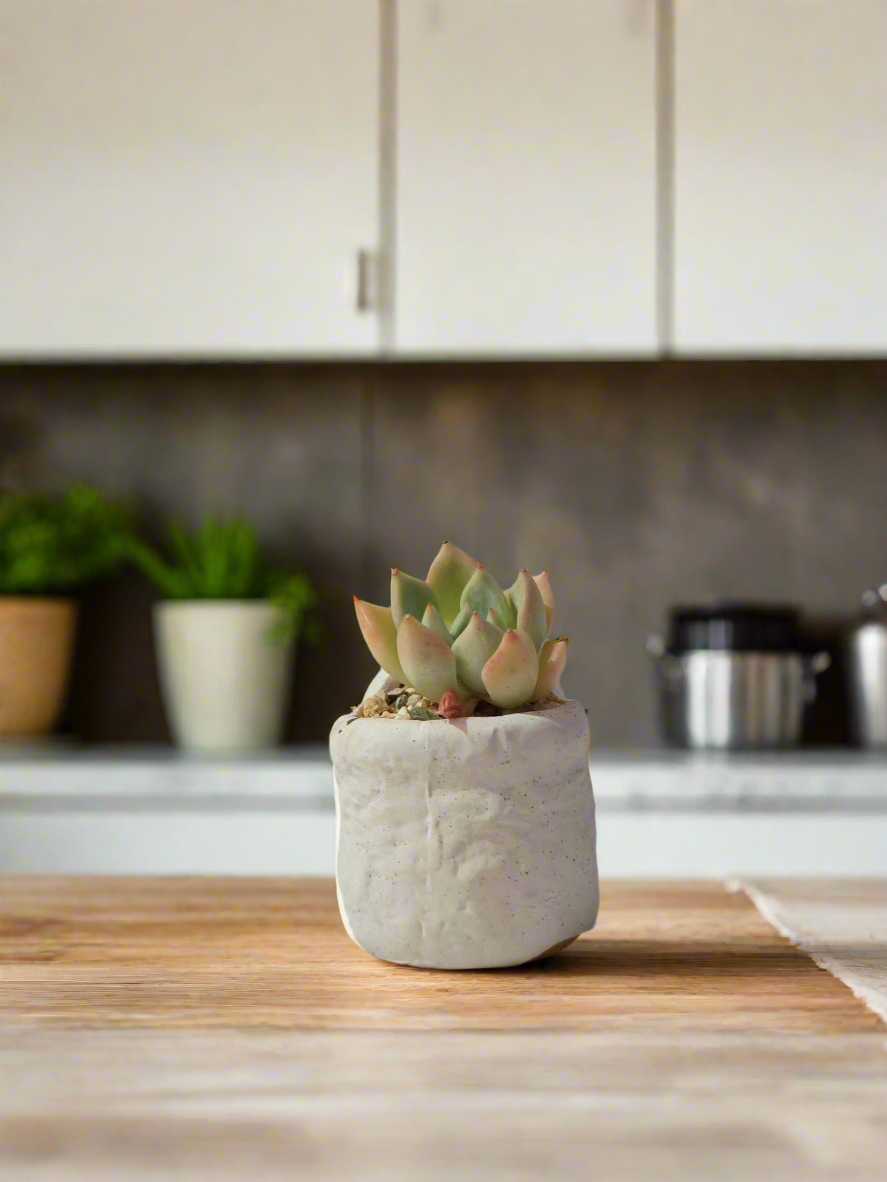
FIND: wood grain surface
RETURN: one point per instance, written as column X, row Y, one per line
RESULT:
column 213, row 1029
column 253, row 953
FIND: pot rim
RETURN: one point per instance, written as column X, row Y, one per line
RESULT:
column 382, row 682
column 215, row 604
column 19, row 600
column 471, row 722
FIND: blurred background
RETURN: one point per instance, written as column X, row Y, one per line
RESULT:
column 594, row 285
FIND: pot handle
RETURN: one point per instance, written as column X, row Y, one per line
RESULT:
column 655, row 646
column 667, row 665
column 813, row 666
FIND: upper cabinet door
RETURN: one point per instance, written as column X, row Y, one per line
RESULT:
column 526, row 177
column 781, row 176
column 186, row 177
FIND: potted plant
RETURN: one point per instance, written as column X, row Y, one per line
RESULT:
column 465, row 815
column 50, row 545
column 225, row 630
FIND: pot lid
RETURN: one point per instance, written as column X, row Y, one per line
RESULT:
column 735, row 627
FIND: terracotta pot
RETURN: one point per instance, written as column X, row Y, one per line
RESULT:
column 36, row 646
column 467, row 844
column 225, row 680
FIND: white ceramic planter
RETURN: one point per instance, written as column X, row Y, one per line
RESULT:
column 467, row 844
column 225, row 681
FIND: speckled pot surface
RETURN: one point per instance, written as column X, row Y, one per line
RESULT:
column 467, row 844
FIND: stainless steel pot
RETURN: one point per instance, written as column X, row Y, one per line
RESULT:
column 867, row 666
column 724, row 700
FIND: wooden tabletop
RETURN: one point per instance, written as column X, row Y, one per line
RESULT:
column 208, row 1028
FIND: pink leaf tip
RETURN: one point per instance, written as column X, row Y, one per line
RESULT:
column 451, row 706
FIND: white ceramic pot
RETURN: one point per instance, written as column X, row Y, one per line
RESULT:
column 467, row 844
column 225, row 679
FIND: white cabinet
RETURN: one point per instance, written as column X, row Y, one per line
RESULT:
column 780, row 176
column 526, row 177
column 200, row 178
column 186, row 178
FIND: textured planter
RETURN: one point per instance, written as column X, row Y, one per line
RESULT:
column 225, row 681
column 466, row 844
column 36, row 645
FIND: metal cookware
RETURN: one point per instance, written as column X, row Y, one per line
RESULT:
column 867, row 668
column 734, row 676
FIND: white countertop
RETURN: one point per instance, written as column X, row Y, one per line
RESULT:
column 301, row 778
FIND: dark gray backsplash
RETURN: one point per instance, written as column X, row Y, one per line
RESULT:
column 638, row 485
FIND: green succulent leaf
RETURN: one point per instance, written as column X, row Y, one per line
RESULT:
column 527, row 601
column 426, row 659
column 543, row 582
column 409, row 596
column 460, row 623
column 511, row 673
column 511, row 618
column 448, row 576
column 483, row 594
column 473, row 649
column 432, row 619
column 171, row 581
column 377, row 627
column 552, row 660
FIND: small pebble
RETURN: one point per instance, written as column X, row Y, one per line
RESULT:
column 421, row 714
column 403, row 712
column 413, row 700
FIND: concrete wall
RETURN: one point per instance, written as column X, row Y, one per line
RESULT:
column 638, row 485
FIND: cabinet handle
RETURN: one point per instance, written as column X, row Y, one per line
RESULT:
column 367, row 270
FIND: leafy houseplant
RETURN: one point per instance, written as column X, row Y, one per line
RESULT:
column 225, row 629
column 51, row 544
column 466, row 830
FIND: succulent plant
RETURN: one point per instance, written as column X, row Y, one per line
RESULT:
column 456, row 635
column 224, row 560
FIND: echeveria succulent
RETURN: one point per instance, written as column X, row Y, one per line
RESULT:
column 458, row 633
